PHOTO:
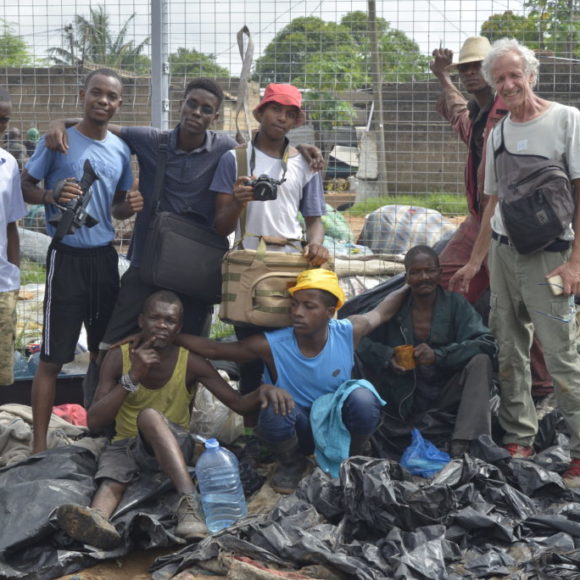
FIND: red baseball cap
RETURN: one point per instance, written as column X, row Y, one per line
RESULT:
column 284, row 95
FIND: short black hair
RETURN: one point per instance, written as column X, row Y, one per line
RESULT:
column 420, row 250
column 106, row 72
column 4, row 95
column 165, row 296
column 206, row 84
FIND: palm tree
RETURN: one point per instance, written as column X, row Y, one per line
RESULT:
column 91, row 42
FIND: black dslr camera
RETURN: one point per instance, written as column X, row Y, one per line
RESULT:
column 265, row 187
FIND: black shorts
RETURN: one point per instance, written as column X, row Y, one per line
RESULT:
column 81, row 288
column 132, row 296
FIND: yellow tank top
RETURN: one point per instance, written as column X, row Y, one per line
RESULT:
column 173, row 399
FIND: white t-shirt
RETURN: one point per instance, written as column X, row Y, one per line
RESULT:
column 302, row 192
column 12, row 208
column 553, row 134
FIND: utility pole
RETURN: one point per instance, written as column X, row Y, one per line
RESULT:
column 379, row 121
column 159, row 65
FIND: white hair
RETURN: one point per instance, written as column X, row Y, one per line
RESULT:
column 504, row 46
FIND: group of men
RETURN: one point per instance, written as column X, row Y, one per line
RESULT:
column 300, row 376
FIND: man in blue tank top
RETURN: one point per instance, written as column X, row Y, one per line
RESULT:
column 312, row 360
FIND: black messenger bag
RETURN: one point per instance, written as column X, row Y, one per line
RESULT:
column 181, row 254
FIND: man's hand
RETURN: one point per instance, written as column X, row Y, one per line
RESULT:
column 66, row 190
column 143, row 356
column 424, row 354
column 316, row 254
column 134, row 200
column 442, row 58
column 57, row 138
column 280, row 400
column 460, row 281
column 570, row 273
column 243, row 192
column 313, row 156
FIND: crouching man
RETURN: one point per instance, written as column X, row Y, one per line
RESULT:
column 312, row 361
column 146, row 389
column 445, row 390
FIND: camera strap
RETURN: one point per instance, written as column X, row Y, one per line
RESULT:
column 284, row 160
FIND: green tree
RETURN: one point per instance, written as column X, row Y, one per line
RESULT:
column 552, row 25
column 400, row 55
column 191, row 63
column 286, row 57
column 325, row 55
column 90, row 41
column 13, row 50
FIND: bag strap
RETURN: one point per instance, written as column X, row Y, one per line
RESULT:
column 242, row 105
column 160, row 171
column 242, row 169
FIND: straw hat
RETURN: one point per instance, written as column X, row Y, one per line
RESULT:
column 474, row 49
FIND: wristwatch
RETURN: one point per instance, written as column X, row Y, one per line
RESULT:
column 128, row 383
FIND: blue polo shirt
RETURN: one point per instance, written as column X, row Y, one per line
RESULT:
column 188, row 176
column 111, row 160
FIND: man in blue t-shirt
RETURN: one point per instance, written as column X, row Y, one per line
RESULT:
column 82, row 277
column 312, row 360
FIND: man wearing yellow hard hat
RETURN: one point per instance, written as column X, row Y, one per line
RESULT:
column 313, row 360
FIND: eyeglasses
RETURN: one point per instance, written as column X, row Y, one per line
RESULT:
column 4, row 119
column 203, row 109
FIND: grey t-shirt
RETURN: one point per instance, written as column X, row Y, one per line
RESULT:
column 188, row 176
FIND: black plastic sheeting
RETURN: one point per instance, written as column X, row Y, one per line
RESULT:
column 484, row 515
column 31, row 545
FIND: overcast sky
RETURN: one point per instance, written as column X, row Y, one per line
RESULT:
column 210, row 27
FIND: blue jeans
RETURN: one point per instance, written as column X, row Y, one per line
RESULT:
column 360, row 413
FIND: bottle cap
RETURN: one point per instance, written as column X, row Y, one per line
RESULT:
column 211, row 443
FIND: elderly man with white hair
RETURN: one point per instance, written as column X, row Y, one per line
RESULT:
column 535, row 130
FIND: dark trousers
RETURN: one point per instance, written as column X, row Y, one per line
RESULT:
column 461, row 411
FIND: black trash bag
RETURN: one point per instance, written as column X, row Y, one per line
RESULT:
column 33, row 547
column 550, row 427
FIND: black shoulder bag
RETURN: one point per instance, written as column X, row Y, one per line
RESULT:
column 181, row 254
column 536, row 197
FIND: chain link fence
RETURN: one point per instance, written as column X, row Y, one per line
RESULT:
column 363, row 67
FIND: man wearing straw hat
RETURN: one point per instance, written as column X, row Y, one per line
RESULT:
column 473, row 121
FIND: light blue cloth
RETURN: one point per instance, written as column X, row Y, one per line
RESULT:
column 331, row 437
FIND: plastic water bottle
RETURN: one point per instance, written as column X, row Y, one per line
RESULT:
column 222, row 495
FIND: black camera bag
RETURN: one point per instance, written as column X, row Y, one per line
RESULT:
column 181, row 254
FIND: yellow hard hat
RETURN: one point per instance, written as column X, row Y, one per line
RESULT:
column 319, row 279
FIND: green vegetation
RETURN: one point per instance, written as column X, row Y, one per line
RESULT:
column 13, row 49
column 92, row 41
column 191, row 63
column 552, row 25
column 31, row 272
column 447, row 203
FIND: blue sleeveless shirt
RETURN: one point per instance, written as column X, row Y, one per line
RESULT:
column 306, row 378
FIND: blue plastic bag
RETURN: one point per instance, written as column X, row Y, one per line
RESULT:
column 422, row 457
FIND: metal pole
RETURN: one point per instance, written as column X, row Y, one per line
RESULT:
column 159, row 65
column 377, row 73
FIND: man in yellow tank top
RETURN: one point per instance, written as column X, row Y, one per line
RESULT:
column 145, row 390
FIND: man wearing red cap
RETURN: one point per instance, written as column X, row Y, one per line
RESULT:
column 312, row 360
column 240, row 207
